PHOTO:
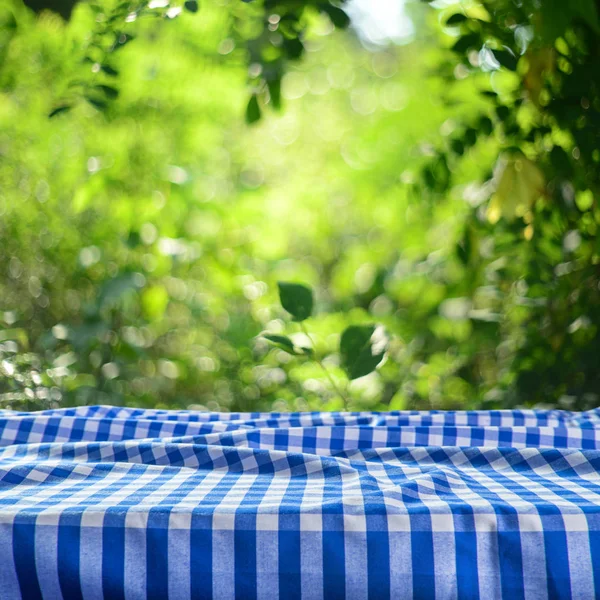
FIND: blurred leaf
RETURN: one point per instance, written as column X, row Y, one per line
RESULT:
column 485, row 125
column 60, row 109
column 506, row 59
column 338, row 17
column 109, row 70
column 252, row 110
column 456, row 19
column 297, row 299
column 191, row 6
column 502, row 112
column 285, row 343
column 275, row 92
column 111, row 92
column 122, row 39
column 133, row 239
column 457, row 146
column 282, row 342
column 359, row 354
column 96, row 102
column 519, row 183
column 466, row 42
column 470, row 137
column 293, row 47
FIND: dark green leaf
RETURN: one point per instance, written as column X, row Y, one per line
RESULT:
column 506, row 59
column 338, row 17
column 470, row 137
column 466, row 42
column 109, row 70
column 191, row 6
column 457, row 146
column 489, row 94
column 428, row 178
column 456, row 19
column 252, row 110
column 108, row 90
column 359, row 356
column 59, row 109
column 96, row 102
column 284, row 342
column 297, row 299
column 121, row 40
column 281, row 341
column 293, row 48
column 502, row 112
column 275, row 92
column 133, row 239
column 485, row 125
column 463, row 252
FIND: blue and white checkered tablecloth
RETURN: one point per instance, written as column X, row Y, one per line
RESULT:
column 119, row 503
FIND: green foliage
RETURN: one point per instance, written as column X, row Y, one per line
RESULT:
column 360, row 351
column 279, row 30
column 542, row 114
column 284, row 342
column 272, row 33
column 359, row 355
column 445, row 188
column 253, row 110
column 297, row 299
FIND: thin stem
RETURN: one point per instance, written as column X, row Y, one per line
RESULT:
column 334, row 385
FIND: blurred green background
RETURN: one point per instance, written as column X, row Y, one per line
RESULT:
column 449, row 195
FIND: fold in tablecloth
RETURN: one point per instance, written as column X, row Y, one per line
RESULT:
column 119, row 503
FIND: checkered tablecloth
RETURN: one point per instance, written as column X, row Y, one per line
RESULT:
column 119, row 503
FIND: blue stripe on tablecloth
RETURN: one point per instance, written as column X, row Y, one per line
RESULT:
column 378, row 559
column 511, row 564
column 244, row 544
column 423, row 564
column 23, row 546
column 290, row 580
column 9, row 583
column 201, row 562
column 467, row 573
column 334, row 572
column 157, row 554
column 68, row 550
column 113, row 554
column 290, row 540
column 595, row 552
column 557, row 565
